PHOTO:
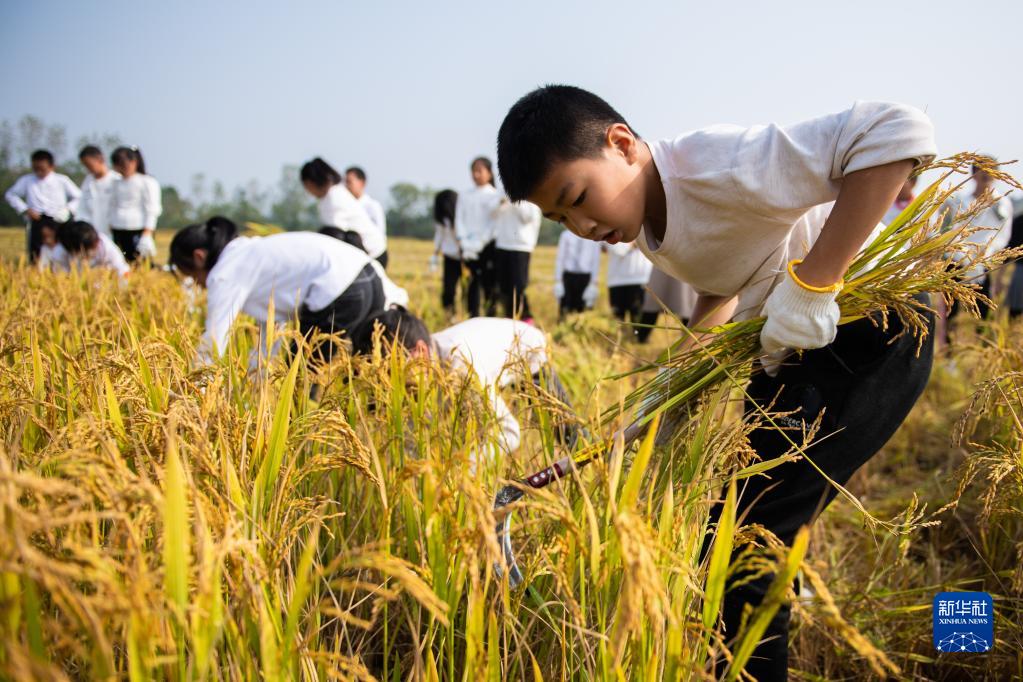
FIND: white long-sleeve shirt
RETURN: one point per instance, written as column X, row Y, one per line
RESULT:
column 578, row 255
column 738, row 198
column 106, row 255
column 517, row 226
column 474, row 218
column 135, row 203
column 444, row 240
column 341, row 209
column 627, row 266
column 375, row 210
column 54, row 195
column 94, row 205
column 292, row 268
column 994, row 228
column 497, row 350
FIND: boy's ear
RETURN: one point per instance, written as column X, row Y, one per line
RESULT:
column 622, row 140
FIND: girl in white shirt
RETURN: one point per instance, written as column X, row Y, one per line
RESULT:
column 338, row 207
column 445, row 244
column 329, row 285
column 628, row 272
column 474, row 228
column 517, row 228
column 135, row 205
column 499, row 351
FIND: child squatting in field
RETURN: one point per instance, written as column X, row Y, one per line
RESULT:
column 729, row 210
column 496, row 350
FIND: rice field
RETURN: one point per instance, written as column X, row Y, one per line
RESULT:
column 167, row 522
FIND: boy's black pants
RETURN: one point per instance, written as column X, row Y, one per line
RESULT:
column 575, row 284
column 865, row 388
column 451, row 274
column 512, row 279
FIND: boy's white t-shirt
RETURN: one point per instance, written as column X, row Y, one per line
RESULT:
column 94, row 205
column 498, row 351
column 55, row 195
column 517, row 226
column 340, row 208
column 743, row 202
column 627, row 265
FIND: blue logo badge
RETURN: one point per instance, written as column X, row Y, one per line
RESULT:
column 964, row 622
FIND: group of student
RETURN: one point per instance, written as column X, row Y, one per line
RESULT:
column 490, row 236
column 109, row 220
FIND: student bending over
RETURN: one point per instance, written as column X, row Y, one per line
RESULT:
column 329, row 285
column 496, row 350
column 78, row 243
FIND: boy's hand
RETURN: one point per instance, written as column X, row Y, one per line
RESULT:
column 33, row 214
column 798, row 318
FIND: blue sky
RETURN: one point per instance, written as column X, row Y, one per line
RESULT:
column 412, row 91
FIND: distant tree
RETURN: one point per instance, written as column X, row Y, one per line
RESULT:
column 293, row 208
column 177, row 211
column 411, row 212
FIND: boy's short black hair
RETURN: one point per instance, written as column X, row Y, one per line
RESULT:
column 398, row 324
column 89, row 150
column 550, row 124
column 357, row 172
column 42, row 155
column 77, row 236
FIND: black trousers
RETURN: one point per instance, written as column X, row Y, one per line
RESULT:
column 481, row 282
column 363, row 298
column 512, row 280
column 575, row 284
column 449, row 285
column 382, row 259
column 865, row 386
column 626, row 302
column 128, row 242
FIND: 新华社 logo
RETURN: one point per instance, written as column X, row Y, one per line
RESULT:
column 964, row 622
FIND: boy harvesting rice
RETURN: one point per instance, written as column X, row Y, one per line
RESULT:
column 744, row 216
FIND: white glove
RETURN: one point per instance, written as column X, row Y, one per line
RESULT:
column 468, row 254
column 797, row 318
column 559, row 290
column 590, row 294
column 147, row 246
column 434, row 262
